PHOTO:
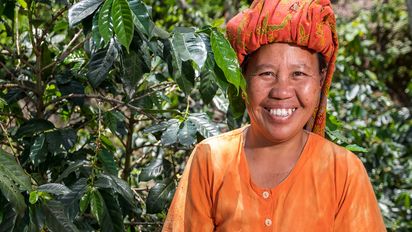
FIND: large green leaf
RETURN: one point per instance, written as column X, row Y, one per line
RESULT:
column 57, row 219
column 8, row 218
column 116, row 184
column 122, row 22
column 97, row 206
column 153, row 170
column 141, row 17
column 113, row 218
column 105, row 21
column 170, row 135
column 190, row 46
column 81, row 10
column 208, row 86
column 13, row 171
column 160, row 196
column 71, row 200
column 38, row 151
column 134, row 67
column 100, row 64
column 187, row 134
column 203, row 124
column 112, row 119
column 186, row 78
column 107, row 160
column 33, row 126
column 226, row 59
column 12, row 193
column 237, row 105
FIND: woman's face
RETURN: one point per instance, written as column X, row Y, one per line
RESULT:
column 283, row 90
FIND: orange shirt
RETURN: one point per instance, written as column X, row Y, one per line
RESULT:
column 327, row 190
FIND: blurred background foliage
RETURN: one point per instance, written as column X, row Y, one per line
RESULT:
column 101, row 103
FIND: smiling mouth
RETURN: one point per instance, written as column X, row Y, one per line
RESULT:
column 281, row 112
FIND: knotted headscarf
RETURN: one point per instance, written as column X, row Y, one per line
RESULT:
column 306, row 23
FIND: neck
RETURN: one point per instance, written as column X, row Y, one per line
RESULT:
column 255, row 141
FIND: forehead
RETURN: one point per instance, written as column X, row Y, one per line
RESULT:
column 283, row 53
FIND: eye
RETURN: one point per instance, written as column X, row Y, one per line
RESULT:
column 267, row 74
column 299, row 74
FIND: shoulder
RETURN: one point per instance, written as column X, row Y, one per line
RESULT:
column 341, row 158
column 220, row 150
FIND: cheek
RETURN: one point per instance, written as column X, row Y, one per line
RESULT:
column 309, row 93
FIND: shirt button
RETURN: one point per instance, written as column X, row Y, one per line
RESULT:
column 266, row 194
column 268, row 222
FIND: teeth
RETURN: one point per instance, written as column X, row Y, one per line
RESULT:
column 282, row 112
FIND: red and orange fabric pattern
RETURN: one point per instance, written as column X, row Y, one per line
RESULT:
column 306, row 23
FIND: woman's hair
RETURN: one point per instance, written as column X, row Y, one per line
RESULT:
column 323, row 65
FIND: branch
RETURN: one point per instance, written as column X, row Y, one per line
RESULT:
column 110, row 100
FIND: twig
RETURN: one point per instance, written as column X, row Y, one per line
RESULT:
column 9, row 140
column 7, row 70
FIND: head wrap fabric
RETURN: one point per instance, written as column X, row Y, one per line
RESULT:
column 306, row 23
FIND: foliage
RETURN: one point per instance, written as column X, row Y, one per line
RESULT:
column 88, row 90
column 102, row 100
column 371, row 97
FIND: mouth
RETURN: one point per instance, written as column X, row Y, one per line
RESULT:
column 281, row 112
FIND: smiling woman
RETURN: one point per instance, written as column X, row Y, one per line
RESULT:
column 279, row 173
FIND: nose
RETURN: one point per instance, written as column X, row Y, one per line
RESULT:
column 282, row 88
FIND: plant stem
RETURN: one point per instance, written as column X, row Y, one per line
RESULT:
column 129, row 149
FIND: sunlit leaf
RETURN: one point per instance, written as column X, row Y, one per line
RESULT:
column 187, row 134
column 54, row 188
column 141, row 17
column 203, row 124
column 100, row 64
column 226, row 59
column 169, row 136
column 105, row 21
column 82, row 9
column 152, row 170
column 190, row 47
column 122, row 22
column 38, row 152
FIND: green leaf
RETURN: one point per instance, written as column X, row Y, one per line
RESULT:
column 226, row 59
column 81, row 10
column 141, row 17
column 71, row 200
column 203, row 124
column 356, row 148
column 69, row 137
column 116, row 184
column 105, row 21
column 34, row 197
column 190, row 47
column 8, row 221
column 71, row 168
column 208, row 86
column 54, row 188
column 161, row 126
column 113, row 218
column 97, row 205
column 160, row 196
column 33, row 126
column 100, row 64
column 84, row 202
column 2, row 103
column 122, row 22
column 237, row 105
column 108, row 162
column 186, row 78
column 38, row 152
column 134, row 67
column 153, row 170
column 56, row 217
column 187, row 135
column 12, row 193
column 10, row 169
column 170, row 135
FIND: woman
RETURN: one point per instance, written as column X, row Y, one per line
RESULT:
column 279, row 173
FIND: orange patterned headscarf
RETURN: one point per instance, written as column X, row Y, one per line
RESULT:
column 306, row 23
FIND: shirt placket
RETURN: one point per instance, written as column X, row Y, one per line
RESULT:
column 267, row 198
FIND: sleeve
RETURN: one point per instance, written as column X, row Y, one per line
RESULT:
column 191, row 208
column 358, row 208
